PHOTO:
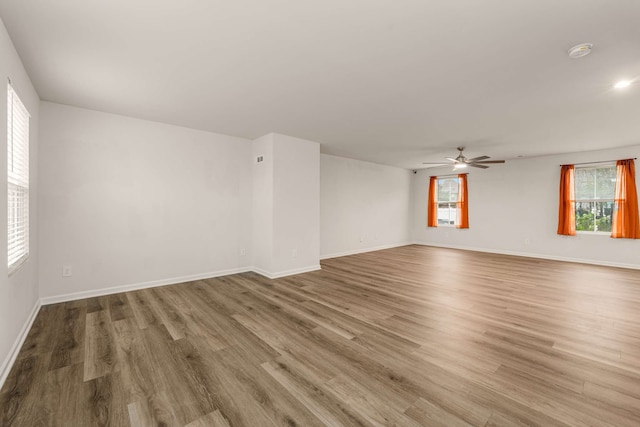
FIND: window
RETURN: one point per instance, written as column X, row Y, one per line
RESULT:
column 594, row 192
column 17, row 180
column 447, row 198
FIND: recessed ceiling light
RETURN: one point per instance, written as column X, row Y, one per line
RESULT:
column 622, row 84
column 580, row 50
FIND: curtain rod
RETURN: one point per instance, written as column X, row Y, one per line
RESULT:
column 446, row 176
column 593, row 163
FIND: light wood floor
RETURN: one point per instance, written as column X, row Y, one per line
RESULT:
column 406, row 337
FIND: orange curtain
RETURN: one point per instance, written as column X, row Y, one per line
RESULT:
column 462, row 205
column 432, row 204
column 625, row 214
column 567, row 205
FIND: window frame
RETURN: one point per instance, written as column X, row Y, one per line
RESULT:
column 18, row 123
column 595, row 166
column 452, row 204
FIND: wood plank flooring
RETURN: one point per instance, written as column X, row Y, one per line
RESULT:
column 411, row 336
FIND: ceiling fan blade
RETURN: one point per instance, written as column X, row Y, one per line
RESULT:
column 475, row 159
column 476, row 165
column 452, row 159
column 434, row 163
column 489, row 162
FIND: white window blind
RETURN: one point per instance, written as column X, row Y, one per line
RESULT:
column 17, row 180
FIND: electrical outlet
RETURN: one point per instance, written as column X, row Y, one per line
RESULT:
column 294, row 253
column 66, row 271
column 527, row 241
column 243, row 252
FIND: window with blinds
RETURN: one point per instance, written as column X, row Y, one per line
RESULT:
column 17, row 180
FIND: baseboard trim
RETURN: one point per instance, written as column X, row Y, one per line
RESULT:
column 285, row 273
column 136, row 286
column 363, row 250
column 8, row 362
column 532, row 255
column 172, row 281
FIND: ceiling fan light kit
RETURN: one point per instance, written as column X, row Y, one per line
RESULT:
column 462, row 162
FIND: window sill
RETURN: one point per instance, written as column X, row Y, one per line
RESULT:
column 13, row 268
column 594, row 233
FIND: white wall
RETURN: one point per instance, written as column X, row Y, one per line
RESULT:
column 127, row 201
column 513, row 208
column 296, row 204
column 262, row 210
column 286, row 205
column 363, row 206
column 18, row 293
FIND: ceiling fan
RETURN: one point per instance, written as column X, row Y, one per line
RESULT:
column 462, row 162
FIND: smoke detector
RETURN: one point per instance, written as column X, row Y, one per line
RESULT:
column 580, row 50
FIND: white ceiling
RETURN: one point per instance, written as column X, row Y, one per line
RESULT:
column 393, row 82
